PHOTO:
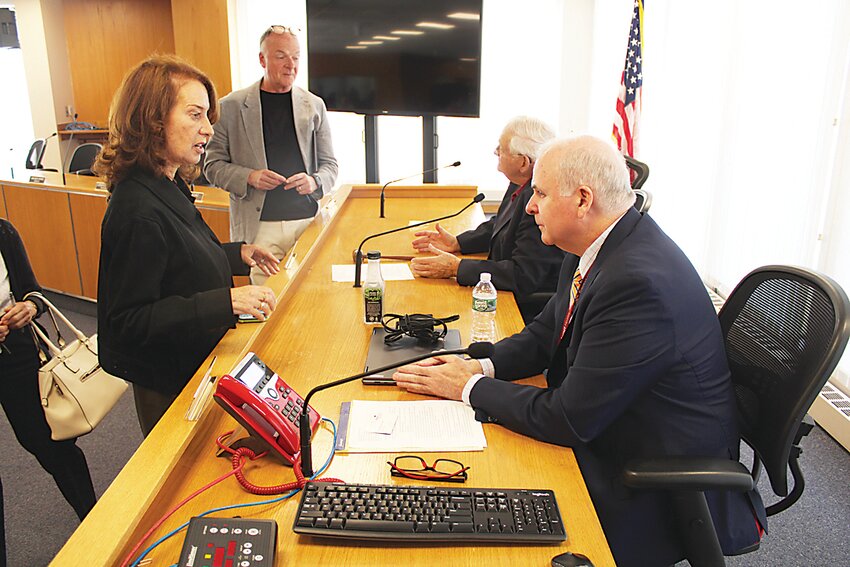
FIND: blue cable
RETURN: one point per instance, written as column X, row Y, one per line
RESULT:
column 245, row 505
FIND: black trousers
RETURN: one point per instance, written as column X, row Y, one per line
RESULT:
column 20, row 400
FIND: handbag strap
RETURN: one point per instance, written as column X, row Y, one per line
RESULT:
column 53, row 310
column 46, row 340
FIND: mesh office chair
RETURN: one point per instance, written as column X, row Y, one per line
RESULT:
column 83, row 159
column 531, row 305
column 785, row 329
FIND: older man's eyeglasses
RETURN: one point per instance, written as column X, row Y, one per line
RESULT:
column 283, row 29
column 415, row 467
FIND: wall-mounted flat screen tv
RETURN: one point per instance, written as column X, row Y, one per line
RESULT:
column 400, row 57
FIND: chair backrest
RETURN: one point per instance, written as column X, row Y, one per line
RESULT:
column 641, row 171
column 83, row 158
column 35, row 154
column 785, row 329
column 643, row 200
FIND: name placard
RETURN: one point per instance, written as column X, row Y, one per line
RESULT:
column 198, row 196
column 36, row 179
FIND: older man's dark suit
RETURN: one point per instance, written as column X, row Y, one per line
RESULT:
column 640, row 372
column 517, row 260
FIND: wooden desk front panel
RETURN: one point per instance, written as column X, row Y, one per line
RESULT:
column 87, row 212
column 3, row 204
column 43, row 217
column 317, row 335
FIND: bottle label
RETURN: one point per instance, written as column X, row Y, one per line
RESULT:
column 483, row 305
column 374, row 302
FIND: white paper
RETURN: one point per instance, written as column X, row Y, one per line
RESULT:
column 426, row 425
column 392, row 271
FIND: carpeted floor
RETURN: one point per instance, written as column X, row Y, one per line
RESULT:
column 816, row 531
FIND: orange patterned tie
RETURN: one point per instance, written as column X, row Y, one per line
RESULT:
column 575, row 290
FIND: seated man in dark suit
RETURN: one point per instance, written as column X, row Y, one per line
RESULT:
column 517, row 259
column 635, row 354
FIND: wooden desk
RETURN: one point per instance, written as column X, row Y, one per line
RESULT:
column 316, row 335
column 60, row 225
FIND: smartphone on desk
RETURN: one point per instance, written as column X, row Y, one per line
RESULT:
column 248, row 318
column 377, row 380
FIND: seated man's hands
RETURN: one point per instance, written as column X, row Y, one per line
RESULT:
column 440, row 238
column 441, row 376
column 265, row 261
column 441, row 265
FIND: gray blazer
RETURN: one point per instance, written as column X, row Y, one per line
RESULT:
column 237, row 148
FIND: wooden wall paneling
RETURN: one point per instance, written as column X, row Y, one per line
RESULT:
column 105, row 39
column 201, row 36
column 43, row 217
column 87, row 214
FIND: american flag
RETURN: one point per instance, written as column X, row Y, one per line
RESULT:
column 631, row 84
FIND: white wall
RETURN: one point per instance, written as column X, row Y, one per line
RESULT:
column 42, row 36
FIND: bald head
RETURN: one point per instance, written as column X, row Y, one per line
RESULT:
column 581, row 186
column 589, row 161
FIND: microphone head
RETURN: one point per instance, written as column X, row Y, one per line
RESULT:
column 478, row 198
column 480, row 350
column 455, row 164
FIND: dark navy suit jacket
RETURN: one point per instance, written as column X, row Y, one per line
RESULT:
column 640, row 372
column 517, row 260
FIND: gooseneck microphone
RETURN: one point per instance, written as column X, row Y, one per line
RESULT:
column 455, row 164
column 475, row 350
column 358, row 254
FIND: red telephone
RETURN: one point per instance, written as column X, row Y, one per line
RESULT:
column 265, row 405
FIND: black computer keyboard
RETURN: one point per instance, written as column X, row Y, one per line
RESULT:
column 429, row 513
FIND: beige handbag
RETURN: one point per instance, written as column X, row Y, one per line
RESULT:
column 76, row 393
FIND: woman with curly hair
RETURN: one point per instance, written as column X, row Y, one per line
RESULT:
column 165, row 287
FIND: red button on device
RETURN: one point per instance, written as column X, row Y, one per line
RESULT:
column 218, row 558
column 231, row 548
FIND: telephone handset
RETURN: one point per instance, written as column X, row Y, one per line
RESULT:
column 265, row 405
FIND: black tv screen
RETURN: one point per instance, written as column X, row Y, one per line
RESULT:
column 401, row 57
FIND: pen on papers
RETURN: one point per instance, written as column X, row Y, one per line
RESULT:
column 289, row 261
column 204, row 380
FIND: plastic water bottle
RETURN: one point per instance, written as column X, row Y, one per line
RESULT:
column 484, row 310
column 373, row 290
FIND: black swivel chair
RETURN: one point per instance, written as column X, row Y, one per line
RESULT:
column 83, row 159
column 531, row 305
column 640, row 169
column 785, row 329
column 35, row 154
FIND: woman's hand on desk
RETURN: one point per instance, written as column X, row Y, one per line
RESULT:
column 442, row 376
column 265, row 261
column 256, row 300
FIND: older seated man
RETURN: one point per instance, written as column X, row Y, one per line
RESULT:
column 517, row 259
column 635, row 355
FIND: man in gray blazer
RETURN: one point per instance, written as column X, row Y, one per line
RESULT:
column 272, row 151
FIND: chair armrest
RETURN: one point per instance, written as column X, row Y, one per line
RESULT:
column 687, row 473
